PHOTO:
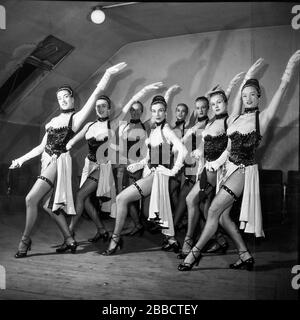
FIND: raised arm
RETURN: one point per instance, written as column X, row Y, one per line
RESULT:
column 136, row 97
column 17, row 163
column 82, row 115
column 171, row 91
column 233, row 83
column 80, row 135
column 268, row 114
column 237, row 102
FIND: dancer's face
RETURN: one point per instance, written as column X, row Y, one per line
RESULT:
column 250, row 97
column 201, row 108
column 102, row 108
column 218, row 104
column 65, row 100
column 136, row 111
column 181, row 112
column 158, row 112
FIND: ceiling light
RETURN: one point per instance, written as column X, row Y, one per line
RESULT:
column 97, row 15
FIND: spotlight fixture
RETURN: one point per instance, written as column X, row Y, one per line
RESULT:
column 98, row 15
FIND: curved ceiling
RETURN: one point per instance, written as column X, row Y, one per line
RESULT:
column 29, row 22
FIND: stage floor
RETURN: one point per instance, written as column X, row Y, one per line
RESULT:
column 141, row 270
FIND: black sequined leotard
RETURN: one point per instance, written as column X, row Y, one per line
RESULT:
column 215, row 145
column 94, row 144
column 57, row 138
column 243, row 146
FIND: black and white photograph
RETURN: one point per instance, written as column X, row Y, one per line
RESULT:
column 149, row 151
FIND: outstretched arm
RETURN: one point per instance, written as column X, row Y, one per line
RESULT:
column 233, row 83
column 82, row 115
column 17, row 163
column 268, row 114
column 237, row 102
column 80, row 135
column 136, row 97
column 171, row 91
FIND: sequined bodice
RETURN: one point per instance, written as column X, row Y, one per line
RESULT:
column 244, row 145
column 94, row 145
column 214, row 146
column 57, row 138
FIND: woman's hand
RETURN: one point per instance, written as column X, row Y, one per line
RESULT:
column 69, row 146
column 53, row 158
column 254, row 68
column 109, row 72
column 172, row 89
column 135, row 167
column 211, row 166
column 290, row 66
column 116, row 68
column 165, row 171
column 236, row 79
column 153, row 86
column 17, row 163
column 197, row 154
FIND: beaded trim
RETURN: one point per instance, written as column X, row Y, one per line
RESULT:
column 251, row 110
column 46, row 180
column 67, row 110
column 139, row 189
column 92, row 178
column 221, row 116
column 230, row 192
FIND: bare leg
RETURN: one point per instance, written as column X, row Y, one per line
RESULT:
column 83, row 193
column 231, row 228
column 92, row 212
column 123, row 199
column 37, row 192
column 222, row 201
column 181, row 205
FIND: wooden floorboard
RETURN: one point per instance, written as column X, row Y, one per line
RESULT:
column 140, row 270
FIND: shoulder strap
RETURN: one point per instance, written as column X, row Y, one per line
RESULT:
column 162, row 133
column 90, row 125
column 257, row 122
column 143, row 126
column 71, row 121
column 225, row 123
column 236, row 118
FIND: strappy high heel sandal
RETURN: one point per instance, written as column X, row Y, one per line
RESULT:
column 174, row 246
column 119, row 244
column 137, row 231
column 27, row 245
column 185, row 266
column 99, row 236
column 188, row 242
column 68, row 246
column 243, row 264
column 217, row 247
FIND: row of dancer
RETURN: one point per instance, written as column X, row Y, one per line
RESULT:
column 226, row 160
